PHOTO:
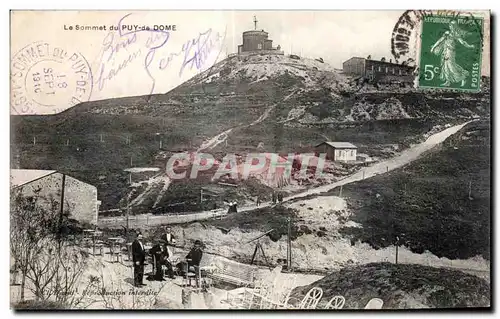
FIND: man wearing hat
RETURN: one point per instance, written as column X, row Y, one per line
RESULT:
column 195, row 254
column 138, row 258
column 193, row 258
column 160, row 254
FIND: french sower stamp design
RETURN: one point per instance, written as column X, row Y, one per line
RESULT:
column 451, row 52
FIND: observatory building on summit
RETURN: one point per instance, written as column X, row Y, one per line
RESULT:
column 257, row 41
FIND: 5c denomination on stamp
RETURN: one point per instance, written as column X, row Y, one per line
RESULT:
column 47, row 79
column 451, row 52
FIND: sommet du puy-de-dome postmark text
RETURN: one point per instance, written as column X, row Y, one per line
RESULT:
column 48, row 79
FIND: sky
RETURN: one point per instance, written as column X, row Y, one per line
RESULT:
column 145, row 62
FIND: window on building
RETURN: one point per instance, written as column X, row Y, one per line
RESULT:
column 259, row 46
column 392, row 70
column 352, row 153
column 386, row 70
column 400, row 72
column 380, row 69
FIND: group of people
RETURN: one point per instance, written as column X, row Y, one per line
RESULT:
column 161, row 255
column 277, row 197
column 232, row 208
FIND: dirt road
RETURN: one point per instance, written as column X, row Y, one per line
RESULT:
column 406, row 157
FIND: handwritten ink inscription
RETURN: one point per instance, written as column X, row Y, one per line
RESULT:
column 129, row 45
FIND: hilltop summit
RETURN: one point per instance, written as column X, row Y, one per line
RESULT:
column 252, row 102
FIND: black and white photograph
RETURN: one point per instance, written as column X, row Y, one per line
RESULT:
column 250, row 160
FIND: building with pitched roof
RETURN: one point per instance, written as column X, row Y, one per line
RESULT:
column 338, row 151
column 79, row 198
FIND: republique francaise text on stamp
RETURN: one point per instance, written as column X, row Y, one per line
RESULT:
column 451, row 52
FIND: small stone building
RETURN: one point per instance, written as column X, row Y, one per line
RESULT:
column 79, row 198
column 338, row 151
column 380, row 71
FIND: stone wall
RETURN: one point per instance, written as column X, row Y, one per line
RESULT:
column 79, row 198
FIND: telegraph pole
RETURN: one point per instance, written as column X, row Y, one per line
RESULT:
column 397, row 248
column 289, row 250
column 470, row 189
column 340, row 195
column 61, row 212
column 127, row 214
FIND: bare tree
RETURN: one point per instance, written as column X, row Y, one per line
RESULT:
column 30, row 224
column 52, row 266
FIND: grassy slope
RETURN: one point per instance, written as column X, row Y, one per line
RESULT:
column 402, row 286
column 185, row 117
column 427, row 203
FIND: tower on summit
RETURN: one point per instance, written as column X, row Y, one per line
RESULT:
column 257, row 41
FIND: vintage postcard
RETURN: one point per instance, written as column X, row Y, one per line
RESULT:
column 241, row 160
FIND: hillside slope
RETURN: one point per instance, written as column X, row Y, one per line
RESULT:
column 402, row 287
column 266, row 102
column 439, row 203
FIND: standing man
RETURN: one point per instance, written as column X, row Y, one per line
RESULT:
column 168, row 237
column 169, row 240
column 138, row 257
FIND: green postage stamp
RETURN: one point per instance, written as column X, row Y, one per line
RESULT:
column 451, row 52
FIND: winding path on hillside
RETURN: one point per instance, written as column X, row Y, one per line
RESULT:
column 405, row 157
column 221, row 137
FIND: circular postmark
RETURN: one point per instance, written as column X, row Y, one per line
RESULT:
column 48, row 79
column 405, row 33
